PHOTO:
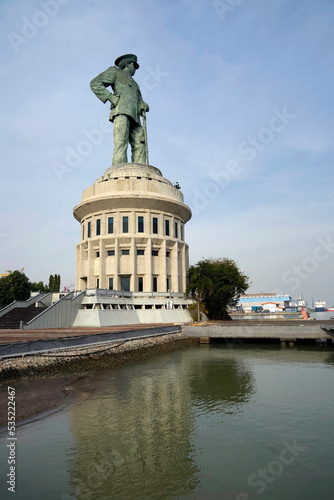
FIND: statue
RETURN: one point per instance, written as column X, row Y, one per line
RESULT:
column 127, row 106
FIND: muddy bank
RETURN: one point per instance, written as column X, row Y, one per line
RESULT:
column 33, row 397
column 44, row 382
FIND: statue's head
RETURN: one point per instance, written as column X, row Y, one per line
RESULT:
column 123, row 61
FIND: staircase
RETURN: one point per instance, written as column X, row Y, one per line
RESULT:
column 11, row 320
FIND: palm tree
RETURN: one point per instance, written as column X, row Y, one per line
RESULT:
column 198, row 283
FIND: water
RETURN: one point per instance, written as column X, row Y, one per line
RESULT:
column 323, row 315
column 210, row 422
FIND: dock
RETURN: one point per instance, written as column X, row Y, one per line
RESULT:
column 287, row 332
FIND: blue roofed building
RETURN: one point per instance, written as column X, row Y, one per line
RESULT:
column 269, row 302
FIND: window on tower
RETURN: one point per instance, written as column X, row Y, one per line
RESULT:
column 155, row 225
column 125, row 224
column 110, row 225
column 140, row 224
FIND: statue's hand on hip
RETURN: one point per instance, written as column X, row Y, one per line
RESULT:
column 113, row 98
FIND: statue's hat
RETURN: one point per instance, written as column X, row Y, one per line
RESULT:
column 130, row 57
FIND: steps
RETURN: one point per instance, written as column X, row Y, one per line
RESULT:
column 12, row 319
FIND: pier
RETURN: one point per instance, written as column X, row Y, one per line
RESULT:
column 287, row 332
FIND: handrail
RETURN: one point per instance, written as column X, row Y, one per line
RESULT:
column 69, row 296
column 50, row 307
column 101, row 292
column 22, row 303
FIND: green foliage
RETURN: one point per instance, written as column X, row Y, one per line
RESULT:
column 193, row 311
column 54, row 283
column 38, row 287
column 227, row 284
column 15, row 286
column 198, row 283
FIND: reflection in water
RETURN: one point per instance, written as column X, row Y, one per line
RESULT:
column 195, row 424
column 330, row 359
column 133, row 428
column 133, row 437
column 221, row 383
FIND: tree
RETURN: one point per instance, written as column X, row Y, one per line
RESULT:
column 228, row 283
column 58, row 282
column 54, row 283
column 15, row 286
column 198, row 282
column 38, row 287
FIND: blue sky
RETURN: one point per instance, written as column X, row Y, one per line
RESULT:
column 241, row 115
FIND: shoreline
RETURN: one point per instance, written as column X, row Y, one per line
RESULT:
column 45, row 382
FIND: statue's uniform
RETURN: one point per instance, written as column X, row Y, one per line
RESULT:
column 126, row 115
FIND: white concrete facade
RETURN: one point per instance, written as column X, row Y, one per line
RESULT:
column 132, row 233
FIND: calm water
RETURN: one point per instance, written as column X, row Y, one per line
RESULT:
column 321, row 316
column 211, row 422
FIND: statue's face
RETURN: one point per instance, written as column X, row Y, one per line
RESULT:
column 131, row 68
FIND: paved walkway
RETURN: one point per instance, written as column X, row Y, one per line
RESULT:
column 12, row 336
column 46, row 343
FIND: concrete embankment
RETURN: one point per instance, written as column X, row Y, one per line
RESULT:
column 291, row 331
column 88, row 358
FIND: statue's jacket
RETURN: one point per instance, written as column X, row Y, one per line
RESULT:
column 124, row 86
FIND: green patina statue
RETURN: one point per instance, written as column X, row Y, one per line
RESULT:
column 127, row 106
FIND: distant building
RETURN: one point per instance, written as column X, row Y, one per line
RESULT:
column 271, row 302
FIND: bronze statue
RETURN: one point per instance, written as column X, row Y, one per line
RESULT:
column 127, row 106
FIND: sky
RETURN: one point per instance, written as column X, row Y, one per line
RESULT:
column 241, row 115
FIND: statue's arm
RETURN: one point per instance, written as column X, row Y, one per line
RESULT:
column 100, row 83
column 143, row 106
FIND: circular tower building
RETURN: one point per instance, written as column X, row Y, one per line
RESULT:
column 132, row 234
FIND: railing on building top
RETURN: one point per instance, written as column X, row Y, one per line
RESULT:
column 99, row 292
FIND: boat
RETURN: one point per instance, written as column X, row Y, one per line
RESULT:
column 320, row 306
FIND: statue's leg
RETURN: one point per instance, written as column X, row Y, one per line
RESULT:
column 121, row 139
column 137, row 141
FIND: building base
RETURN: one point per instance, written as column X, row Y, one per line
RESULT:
column 111, row 308
column 93, row 318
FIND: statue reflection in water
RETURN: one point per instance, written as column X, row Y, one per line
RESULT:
column 133, row 427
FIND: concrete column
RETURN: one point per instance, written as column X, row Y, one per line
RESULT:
column 102, row 266
column 149, row 223
column 179, row 260
column 90, row 271
column 117, row 284
column 163, row 266
column 148, row 264
column 183, row 268
column 118, row 229
column 187, row 264
column 133, row 256
column 84, row 269
column 174, row 268
column 103, row 225
column 132, row 222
